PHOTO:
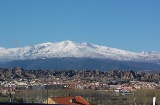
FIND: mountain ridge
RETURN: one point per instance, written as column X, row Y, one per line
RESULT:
column 73, row 49
column 16, row 73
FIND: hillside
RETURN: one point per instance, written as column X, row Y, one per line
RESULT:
column 77, row 50
column 72, row 55
column 79, row 64
column 84, row 73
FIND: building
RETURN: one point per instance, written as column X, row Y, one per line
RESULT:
column 13, row 103
column 77, row 100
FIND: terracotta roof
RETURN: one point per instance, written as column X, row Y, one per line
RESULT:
column 78, row 100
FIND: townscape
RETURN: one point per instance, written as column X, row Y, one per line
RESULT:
column 19, row 85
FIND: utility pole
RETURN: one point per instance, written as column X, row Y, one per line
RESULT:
column 134, row 99
column 154, row 100
column 47, row 95
column 26, row 97
column 41, row 97
column 10, row 98
column 47, row 90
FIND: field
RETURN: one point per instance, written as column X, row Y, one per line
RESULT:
column 142, row 96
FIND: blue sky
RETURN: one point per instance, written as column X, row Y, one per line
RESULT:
column 132, row 25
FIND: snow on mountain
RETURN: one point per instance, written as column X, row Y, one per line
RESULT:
column 73, row 49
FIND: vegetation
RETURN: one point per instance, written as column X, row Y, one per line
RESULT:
column 142, row 96
column 4, row 99
column 145, row 96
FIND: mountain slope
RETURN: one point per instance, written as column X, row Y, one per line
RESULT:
column 73, row 49
column 80, row 64
column 69, row 64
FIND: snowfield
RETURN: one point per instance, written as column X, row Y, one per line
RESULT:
column 73, row 49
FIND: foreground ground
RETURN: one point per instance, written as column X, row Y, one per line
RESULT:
column 142, row 96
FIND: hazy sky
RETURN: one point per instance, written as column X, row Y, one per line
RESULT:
column 132, row 25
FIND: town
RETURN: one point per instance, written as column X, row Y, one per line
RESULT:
column 38, row 90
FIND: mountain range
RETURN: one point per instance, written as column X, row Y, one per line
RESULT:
column 73, row 55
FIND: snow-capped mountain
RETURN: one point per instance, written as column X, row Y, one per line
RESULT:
column 73, row 49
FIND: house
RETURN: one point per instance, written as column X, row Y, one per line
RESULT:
column 77, row 100
column 128, row 88
column 125, row 93
column 138, row 85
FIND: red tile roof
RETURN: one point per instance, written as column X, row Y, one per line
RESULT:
column 78, row 100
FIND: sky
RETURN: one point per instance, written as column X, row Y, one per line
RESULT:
column 132, row 25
